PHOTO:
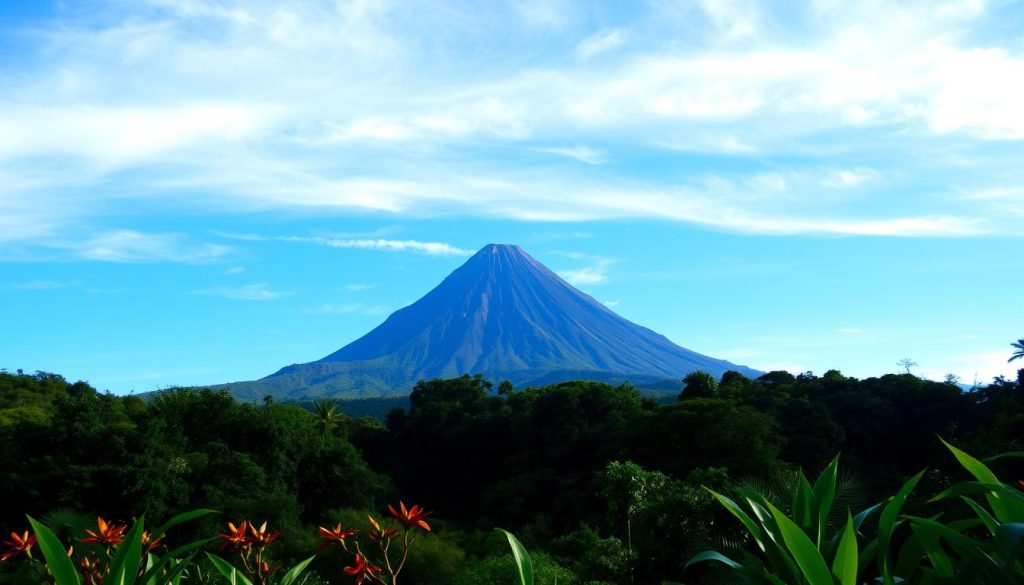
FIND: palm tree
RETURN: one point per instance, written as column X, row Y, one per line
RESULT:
column 328, row 416
column 1019, row 346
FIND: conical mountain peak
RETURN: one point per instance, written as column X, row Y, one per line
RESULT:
column 502, row 314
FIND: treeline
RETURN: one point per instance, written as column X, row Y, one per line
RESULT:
column 602, row 484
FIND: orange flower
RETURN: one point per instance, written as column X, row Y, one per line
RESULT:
column 262, row 537
column 236, row 536
column 335, row 535
column 90, row 569
column 107, row 535
column 363, row 571
column 410, row 517
column 20, row 544
column 377, row 533
column 148, row 542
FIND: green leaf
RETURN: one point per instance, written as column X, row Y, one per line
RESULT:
column 711, row 555
column 125, row 565
column 57, row 561
column 181, row 519
column 804, row 512
column 1002, row 456
column 1010, row 540
column 887, row 524
column 807, row 557
column 984, row 475
column 983, row 514
column 233, row 575
column 748, row 523
column 825, row 495
column 168, row 559
column 844, row 566
column 524, row 565
column 295, row 571
column 927, row 542
column 970, row 549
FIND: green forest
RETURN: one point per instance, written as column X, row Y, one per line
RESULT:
column 600, row 484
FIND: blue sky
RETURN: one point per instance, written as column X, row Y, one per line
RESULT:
column 201, row 191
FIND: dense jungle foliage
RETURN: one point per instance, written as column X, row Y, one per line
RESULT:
column 601, row 484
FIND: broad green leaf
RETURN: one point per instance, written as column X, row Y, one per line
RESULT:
column 124, row 567
column 524, row 566
column 1010, row 540
column 233, row 575
column 711, row 555
column 804, row 509
column 774, row 545
column 158, row 564
column 295, row 571
column 825, row 495
column 181, row 519
column 926, row 542
column 844, row 566
column 859, row 519
column 887, row 524
column 970, row 549
column 748, row 523
column 972, row 465
column 983, row 515
column 807, row 557
column 1003, row 456
column 57, row 561
column 983, row 474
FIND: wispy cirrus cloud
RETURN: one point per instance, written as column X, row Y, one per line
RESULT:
column 594, row 273
column 259, row 291
column 400, row 121
column 430, row 248
column 360, row 308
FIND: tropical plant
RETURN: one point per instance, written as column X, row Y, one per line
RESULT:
column 328, row 416
column 1018, row 346
column 111, row 554
column 382, row 534
column 798, row 548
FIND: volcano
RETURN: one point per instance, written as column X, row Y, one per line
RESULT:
column 504, row 315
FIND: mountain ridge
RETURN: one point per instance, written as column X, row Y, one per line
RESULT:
column 501, row 314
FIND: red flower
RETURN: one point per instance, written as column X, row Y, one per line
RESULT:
column 1020, row 484
column 335, row 535
column 410, row 517
column 236, row 536
column 377, row 533
column 363, row 571
column 107, row 535
column 20, row 544
column 148, row 542
column 262, row 537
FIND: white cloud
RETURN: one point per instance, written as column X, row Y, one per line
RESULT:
column 584, row 154
column 407, row 109
column 430, row 248
column 600, row 42
column 357, row 287
column 348, row 308
column 251, row 292
column 596, row 273
column 38, row 285
column 133, row 246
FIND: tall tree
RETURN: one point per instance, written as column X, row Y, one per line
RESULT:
column 328, row 416
column 1019, row 347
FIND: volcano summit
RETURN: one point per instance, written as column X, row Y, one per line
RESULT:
column 501, row 314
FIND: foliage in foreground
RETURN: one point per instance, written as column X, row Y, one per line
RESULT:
column 882, row 544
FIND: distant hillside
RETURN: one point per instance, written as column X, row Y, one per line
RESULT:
column 501, row 314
